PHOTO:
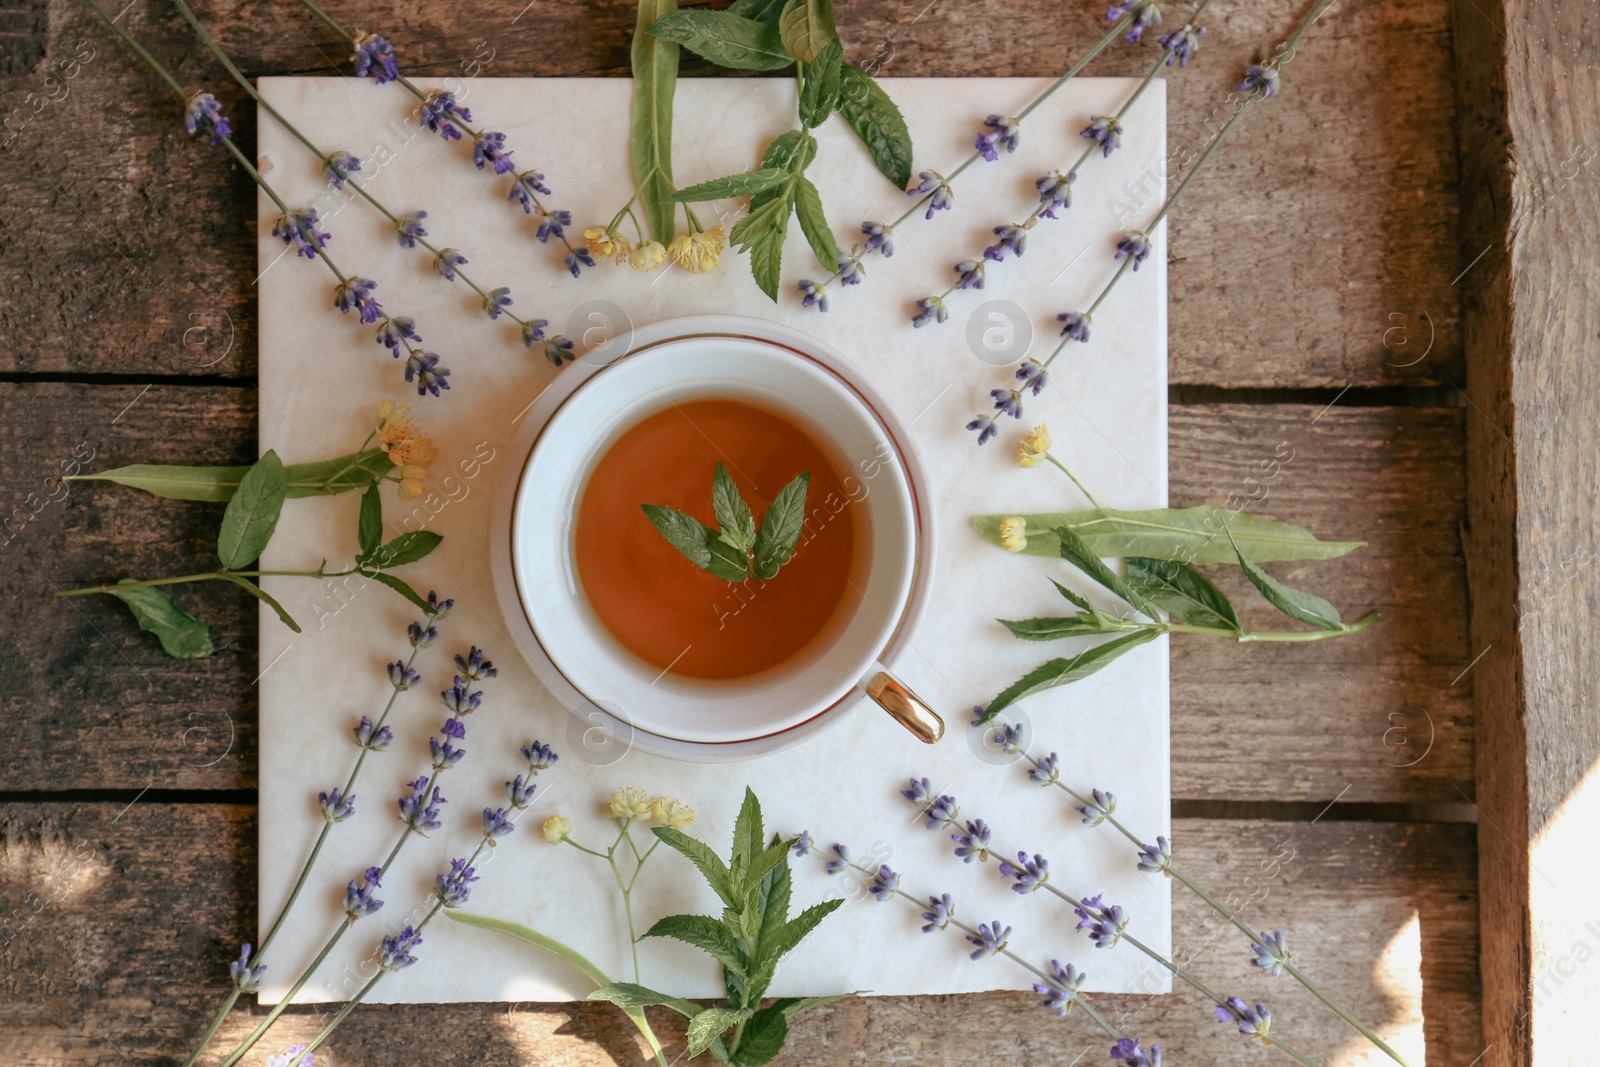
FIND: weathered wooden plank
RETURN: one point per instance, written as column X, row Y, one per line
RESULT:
column 1328, row 271
column 122, row 923
column 97, row 701
column 1530, row 96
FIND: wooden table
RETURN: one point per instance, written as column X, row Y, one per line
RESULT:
column 1358, row 255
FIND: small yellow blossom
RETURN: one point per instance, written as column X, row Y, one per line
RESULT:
column 648, row 256
column 406, row 444
column 1013, row 533
column 1034, row 447
column 607, row 245
column 555, row 829
column 698, row 253
column 673, row 813
column 629, row 803
column 413, row 481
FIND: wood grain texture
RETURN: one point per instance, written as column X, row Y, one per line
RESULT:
column 1530, row 97
column 121, row 924
column 99, row 702
column 1317, row 252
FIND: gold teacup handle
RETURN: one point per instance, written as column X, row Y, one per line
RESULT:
column 906, row 707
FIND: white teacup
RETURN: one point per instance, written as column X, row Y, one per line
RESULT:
column 636, row 704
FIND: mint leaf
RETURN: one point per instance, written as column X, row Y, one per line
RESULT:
column 727, row 562
column 402, row 588
column 1081, row 556
column 266, row 598
column 819, row 90
column 780, row 527
column 705, row 934
column 807, row 26
column 877, row 121
column 1302, row 607
column 407, row 548
column 1183, row 591
column 1056, row 628
column 760, row 221
column 369, row 526
column 252, row 514
column 814, row 223
column 181, row 634
column 745, row 183
column 726, row 38
column 763, row 1037
column 1067, row 669
column 759, row 10
column 710, row 865
column 733, row 514
column 710, row 1024
column 766, row 252
column 683, row 532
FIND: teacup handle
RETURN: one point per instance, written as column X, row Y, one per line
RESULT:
column 904, row 706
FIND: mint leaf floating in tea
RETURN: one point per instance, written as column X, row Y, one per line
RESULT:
column 737, row 549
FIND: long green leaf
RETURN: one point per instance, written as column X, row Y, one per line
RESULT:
column 738, row 526
column 252, row 514
column 1189, row 535
column 1081, row 556
column 726, row 39
column 710, row 865
column 181, row 634
column 781, row 526
column 877, row 121
column 745, row 183
column 749, row 839
column 704, row 933
column 629, row 995
column 1300, row 606
column 792, row 1006
column 407, row 548
column 684, row 532
column 819, row 91
column 763, row 1037
column 655, row 79
column 790, row 934
column 266, row 598
column 401, row 587
column 814, row 222
column 1068, row 669
column 1053, row 629
column 216, row 485
column 807, row 27
column 1183, row 591
column 369, row 523
column 766, row 254
column 759, row 221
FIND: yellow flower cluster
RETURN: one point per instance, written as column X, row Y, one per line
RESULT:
column 1013, row 533
column 410, row 450
column 1035, row 447
column 633, row 803
column 606, row 245
column 555, row 829
column 696, row 253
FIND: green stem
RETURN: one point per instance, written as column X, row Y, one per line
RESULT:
column 205, row 576
column 1063, row 469
column 288, row 998
column 216, row 1024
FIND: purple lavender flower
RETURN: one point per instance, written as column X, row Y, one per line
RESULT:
column 409, row 228
column 1262, row 77
column 338, row 166
column 553, row 224
column 884, row 883
column 1034, row 377
column 246, row 979
column 377, row 739
column 293, row 1055
column 1055, row 191
column 1272, row 952
column 533, row 331
column 396, row 330
column 1252, row 1022
column 973, row 842
column 461, row 699
column 1105, row 131
column 421, row 637
column 454, row 728
column 1098, row 808
column 540, row 756
column 1075, row 324
column 438, row 609
column 801, row 846
column 396, row 951
column 930, row 309
column 521, row 790
column 356, row 293
column 1104, row 923
column 1029, row 875
column 919, row 793
column 991, row 939
column 299, row 228
column 850, row 269
column 454, row 888
column 444, row 753
column 446, row 260
column 558, row 350
column 430, row 377
column 336, row 807
column 523, row 189
column 933, row 182
column 970, row 274
column 420, row 811
column 814, row 294
column 1127, row 1053
column 440, row 113
column 1007, row 402
column 985, row 428
column 1181, row 45
column 880, row 238
column 1156, row 858
column 941, row 909
column 1004, row 133
column 1134, row 244
column 1147, row 15
column 401, row 676
column 358, row 898
column 1059, row 989
column 490, row 147
column 373, row 51
column 577, row 259
column 1011, row 239
column 1007, row 736
column 1046, row 770
column 204, row 115
column 841, row 860
column 473, row 666
column 496, row 302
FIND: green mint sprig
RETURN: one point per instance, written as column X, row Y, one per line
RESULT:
column 737, row 549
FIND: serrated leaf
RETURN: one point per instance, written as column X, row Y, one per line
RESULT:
column 1077, row 553
column 1074, row 598
column 727, row 562
column 697, row 852
column 776, row 885
column 181, row 635
column 252, row 513
column 781, row 526
column 784, row 940
column 745, row 183
column 726, row 38
column 369, row 524
column 819, row 89
column 1300, row 606
column 629, row 995
column 814, row 222
column 807, row 26
column 1067, row 669
column 877, row 122
column 1053, row 629
column 684, row 532
column 792, row 1006
column 407, row 548
column 216, row 485
column 759, row 222
column 763, row 1037
column 400, row 587
column 790, row 151
column 711, row 1024
column 1183, row 591
column 704, row 933
column 760, row 10
column 738, row 526
column 766, row 255
column 1189, row 535
column 266, row 598
column 655, row 80
column 749, row 836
